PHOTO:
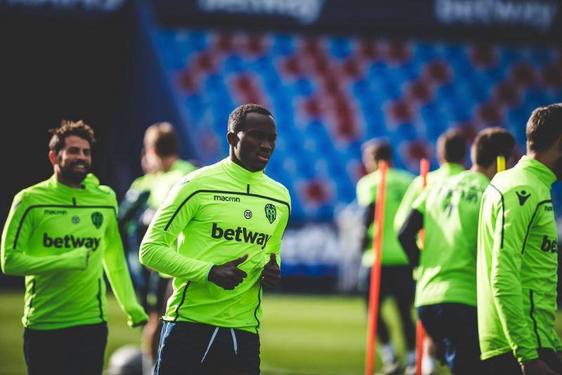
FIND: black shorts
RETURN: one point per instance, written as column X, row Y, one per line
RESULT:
column 66, row 351
column 196, row 349
column 506, row 364
column 454, row 329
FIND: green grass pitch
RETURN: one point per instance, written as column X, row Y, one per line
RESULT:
column 302, row 335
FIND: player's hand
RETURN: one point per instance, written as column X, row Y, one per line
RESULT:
column 228, row 275
column 271, row 274
column 136, row 316
column 82, row 256
column 536, row 367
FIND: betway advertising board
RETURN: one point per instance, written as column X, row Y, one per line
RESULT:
column 504, row 19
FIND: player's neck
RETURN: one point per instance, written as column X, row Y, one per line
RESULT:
column 66, row 182
column 168, row 162
column 543, row 157
column 488, row 172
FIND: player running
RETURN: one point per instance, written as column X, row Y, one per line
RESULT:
column 518, row 257
column 451, row 150
column 446, row 268
column 228, row 220
column 61, row 234
column 163, row 169
column 396, row 275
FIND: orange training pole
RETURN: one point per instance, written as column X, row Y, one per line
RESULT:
column 370, row 359
column 424, row 170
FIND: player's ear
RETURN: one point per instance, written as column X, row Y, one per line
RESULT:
column 232, row 139
column 53, row 157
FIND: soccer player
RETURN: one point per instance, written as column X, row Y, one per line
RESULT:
column 518, row 257
column 446, row 268
column 396, row 275
column 451, row 150
column 219, row 235
column 61, row 234
column 164, row 168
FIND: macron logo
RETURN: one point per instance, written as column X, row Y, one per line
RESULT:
column 226, row 198
column 240, row 234
column 69, row 241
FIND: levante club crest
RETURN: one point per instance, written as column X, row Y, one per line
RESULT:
column 270, row 212
column 97, row 219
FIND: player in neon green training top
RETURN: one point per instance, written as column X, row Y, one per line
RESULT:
column 61, row 234
column 396, row 275
column 163, row 169
column 518, row 256
column 451, row 150
column 446, row 285
column 219, row 235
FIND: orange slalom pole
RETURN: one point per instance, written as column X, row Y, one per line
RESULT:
column 370, row 358
column 420, row 333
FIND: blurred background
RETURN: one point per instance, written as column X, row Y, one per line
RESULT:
column 334, row 74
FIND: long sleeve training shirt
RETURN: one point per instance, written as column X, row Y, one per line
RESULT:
column 61, row 239
column 214, row 215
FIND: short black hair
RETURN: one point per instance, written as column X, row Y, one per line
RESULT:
column 238, row 115
column 163, row 138
column 544, row 127
column 68, row 128
column 378, row 149
column 451, row 146
column 491, row 143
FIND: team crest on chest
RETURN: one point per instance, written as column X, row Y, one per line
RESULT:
column 270, row 212
column 97, row 219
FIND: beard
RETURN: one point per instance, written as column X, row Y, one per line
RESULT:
column 69, row 174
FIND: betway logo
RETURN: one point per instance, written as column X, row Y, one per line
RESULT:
column 549, row 245
column 240, row 234
column 69, row 241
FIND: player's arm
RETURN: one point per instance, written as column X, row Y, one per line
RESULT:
column 512, row 222
column 271, row 274
column 408, row 236
column 15, row 239
column 117, row 272
column 412, row 193
column 157, row 250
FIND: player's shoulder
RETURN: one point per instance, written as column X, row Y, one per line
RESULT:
column 277, row 189
column 202, row 175
column 515, row 190
column 403, row 176
column 36, row 192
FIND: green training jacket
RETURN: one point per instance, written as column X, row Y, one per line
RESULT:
column 416, row 187
column 447, row 269
column 397, row 183
column 217, row 214
column 517, row 263
column 61, row 239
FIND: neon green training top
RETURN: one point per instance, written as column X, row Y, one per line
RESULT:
column 397, row 182
column 416, row 187
column 447, row 269
column 61, row 239
column 517, row 263
column 159, row 184
column 217, row 214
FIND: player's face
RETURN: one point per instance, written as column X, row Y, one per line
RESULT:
column 75, row 159
column 254, row 144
